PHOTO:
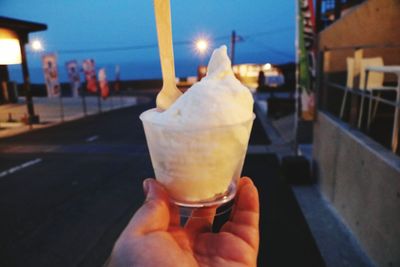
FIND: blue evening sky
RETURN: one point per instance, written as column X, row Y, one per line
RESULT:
column 267, row 28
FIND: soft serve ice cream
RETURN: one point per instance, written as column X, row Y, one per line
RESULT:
column 198, row 144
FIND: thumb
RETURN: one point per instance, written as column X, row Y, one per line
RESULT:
column 154, row 215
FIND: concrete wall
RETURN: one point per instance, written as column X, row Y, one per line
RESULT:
column 358, row 176
column 362, row 181
column 375, row 22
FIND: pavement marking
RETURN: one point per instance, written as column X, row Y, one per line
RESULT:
column 92, row 138
column 20, row 167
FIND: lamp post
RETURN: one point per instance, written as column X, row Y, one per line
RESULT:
column 233, row 42
column 234, row 38
column 32, row 118
column 9, row 54
column 18, row 31
column 201, row 47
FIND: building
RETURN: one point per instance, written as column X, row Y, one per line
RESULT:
column 357, row 164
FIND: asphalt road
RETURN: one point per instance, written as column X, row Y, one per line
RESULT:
column 83, row 185
column 67, row 192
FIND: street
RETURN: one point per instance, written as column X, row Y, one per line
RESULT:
column 62, row 208
column 66, row 193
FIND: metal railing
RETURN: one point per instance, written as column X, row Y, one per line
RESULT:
column 332, row 91
column 59, row 109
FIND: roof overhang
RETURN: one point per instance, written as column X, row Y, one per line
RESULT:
column 21, row 27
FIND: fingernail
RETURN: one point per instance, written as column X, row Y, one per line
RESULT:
column 247, row 180
column 146, row 186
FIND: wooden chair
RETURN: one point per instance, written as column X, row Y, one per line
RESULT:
column 372, row 82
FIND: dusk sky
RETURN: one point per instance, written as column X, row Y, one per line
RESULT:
column 125, row 29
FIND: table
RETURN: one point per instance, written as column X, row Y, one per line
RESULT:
column 395, row 70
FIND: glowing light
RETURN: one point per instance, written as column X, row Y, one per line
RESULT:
column 10, row 50
column 201, row 45
column 267, row 66
column 37, row 45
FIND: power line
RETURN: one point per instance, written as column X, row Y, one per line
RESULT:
column 177, row 43
column 258, row 34
column 112, row 49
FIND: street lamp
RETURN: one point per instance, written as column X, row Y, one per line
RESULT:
column 201, row 46
column 9, row 54
column 267, row 66
column 37, row 45
column 12, row 29
column 10, row 49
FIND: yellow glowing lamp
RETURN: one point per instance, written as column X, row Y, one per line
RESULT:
column 201, row 45
column 37, row 45
column 267, row 66
column 10, row 50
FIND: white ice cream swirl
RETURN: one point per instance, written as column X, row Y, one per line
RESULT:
column 218, row 99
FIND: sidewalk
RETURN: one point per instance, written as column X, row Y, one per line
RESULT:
column 337, row 244
column 53, row 111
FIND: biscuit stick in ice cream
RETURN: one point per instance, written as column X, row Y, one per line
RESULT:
column 169, row 92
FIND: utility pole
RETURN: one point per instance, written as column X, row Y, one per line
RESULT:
column 233, row 41
column 32, row 118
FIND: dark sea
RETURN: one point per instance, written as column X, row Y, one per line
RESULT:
column 128, row 71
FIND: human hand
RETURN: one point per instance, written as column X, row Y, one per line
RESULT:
column 154, row 237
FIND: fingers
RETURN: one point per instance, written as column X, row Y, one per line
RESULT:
column 246, row 202
column 154, row 215
column 200, row 221
column 244, row 221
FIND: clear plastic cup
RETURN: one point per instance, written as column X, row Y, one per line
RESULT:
column 198, row 167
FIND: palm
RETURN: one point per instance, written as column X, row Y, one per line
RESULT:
column 169, row 244
column 223, row 249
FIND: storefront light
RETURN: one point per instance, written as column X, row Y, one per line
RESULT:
column 10, row 50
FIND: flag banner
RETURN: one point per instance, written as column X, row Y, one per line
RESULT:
column 89, row 69
column 117, row 85
column 73, row 76
column 49, row 63
column 104, row 89
column 306, row 31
